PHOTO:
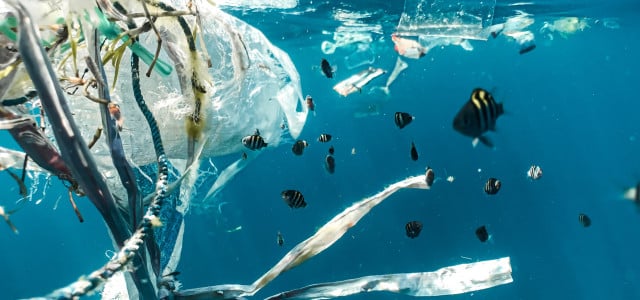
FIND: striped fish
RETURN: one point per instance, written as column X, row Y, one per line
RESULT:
column 430, row 176
column 413, row 229
column 584, row 220
column 402, row 119
column 478, row 116
column 298, row 147
column 492, row 186
column 330, row 163
column 325, row 137
column 293, row 198
column 254, row 141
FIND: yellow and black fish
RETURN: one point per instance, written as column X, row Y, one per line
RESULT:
column 298, row 147
column 430, row 176
column 584, row 220
column 402, row 119
column 482, row 233
column 279, row 239
column 325, row 137
column 414, row 152
column 293, row 198
column 413, row 229
column 492, row 186
column 254, row 141
column 330, row 164
column 327, row 70
column 478, row 116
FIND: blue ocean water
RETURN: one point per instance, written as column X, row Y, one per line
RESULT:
column 570, row 107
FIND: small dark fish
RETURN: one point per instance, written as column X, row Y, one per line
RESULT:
column 413, row 229
column 325, row 137
column 492, row 186
column 331, row 150
column 254, row 142
column 279, row 239
column 327, row 70
column 584, row 220
column 414, row 152
column 527, row 48
column 430, row 176
column 478, row 115
column 482, row 233
column 330, row 164
column 298, row 147
column 293, row 198
column 310, row 105
column 403, row 119
column 244, row 155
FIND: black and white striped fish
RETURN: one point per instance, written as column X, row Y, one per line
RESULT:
column 402, row 119
column 323, row 138
column 254, row 141
column 584, row 220
column 478, row 116
column 293, row 198
column 492, row 186
column 430, row 176
column 330, row 163
column 298, row 147
column 413, row 229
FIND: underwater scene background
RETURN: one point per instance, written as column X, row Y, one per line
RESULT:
column 570, row 106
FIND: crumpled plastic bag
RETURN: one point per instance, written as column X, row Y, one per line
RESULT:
column 266, row 95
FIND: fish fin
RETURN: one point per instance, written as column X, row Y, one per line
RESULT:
column 486, row 141
column 630, row 194
column 500, row 108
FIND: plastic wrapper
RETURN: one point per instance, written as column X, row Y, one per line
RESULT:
column 356, row 81
column 451, row 280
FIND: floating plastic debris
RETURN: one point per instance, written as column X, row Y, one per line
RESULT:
column 458, row 279
column 564, row 26
column 442, row 18
column 357, row 81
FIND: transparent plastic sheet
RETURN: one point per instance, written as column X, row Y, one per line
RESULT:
column 451, row 280
column 243, row 99
column 443, row 18
column 253, row 4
